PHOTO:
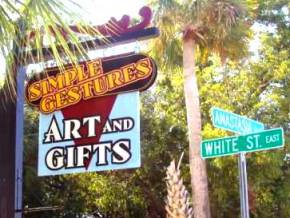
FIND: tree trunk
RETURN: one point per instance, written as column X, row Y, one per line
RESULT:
column 7, row 155
column 199, row 181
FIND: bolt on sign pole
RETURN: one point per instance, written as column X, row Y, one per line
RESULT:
column 244, row 200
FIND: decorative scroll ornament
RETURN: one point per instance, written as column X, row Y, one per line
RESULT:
column 112, row 28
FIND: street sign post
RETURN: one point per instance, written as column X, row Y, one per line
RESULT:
column 256, row 140
column 233, row 122
column 268, row 139
column 244, row 198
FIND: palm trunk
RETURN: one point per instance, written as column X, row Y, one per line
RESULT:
column 199, row 181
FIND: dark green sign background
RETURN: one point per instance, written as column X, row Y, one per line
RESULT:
column 268, row 139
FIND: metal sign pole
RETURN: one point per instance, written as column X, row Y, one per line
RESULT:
column 241, row 187
column 244, row 202
column 20, row 77
column 21, row 73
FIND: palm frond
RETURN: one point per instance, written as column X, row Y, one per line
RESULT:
column 225, row 22
column 215, row 25
column 46, row 24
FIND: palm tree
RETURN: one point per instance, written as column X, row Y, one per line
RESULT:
column 19, row 21
column 191, row 30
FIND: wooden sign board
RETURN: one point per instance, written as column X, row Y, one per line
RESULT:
column 89, row 114
column 56, row 89
column 98, row 134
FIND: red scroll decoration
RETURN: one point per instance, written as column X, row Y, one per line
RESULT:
column 112, row 28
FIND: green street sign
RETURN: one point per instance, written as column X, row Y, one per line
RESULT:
column 268, row 139
column 233, row 122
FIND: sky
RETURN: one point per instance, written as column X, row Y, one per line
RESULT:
column 101, row 11
column 255, row 43
column 98, row 12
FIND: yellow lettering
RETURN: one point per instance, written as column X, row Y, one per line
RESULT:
column 81, row 73
column 144, row 68
column 44, row 87
column 70, row 76
column 76, row 83
column 86, row 88
column 114, row 79
column 94, row 68
column 61, row 99
column 47, row 104
column 34, row 92
column 100, row 85
column 74, row 95
column 54, row 84
column 129, row 73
